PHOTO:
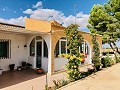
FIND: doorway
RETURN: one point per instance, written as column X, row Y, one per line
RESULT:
column 38, row 54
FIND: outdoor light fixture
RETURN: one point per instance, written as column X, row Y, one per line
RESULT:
column 25, row 45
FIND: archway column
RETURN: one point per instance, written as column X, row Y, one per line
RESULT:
column 53, row 41
column 50, row 56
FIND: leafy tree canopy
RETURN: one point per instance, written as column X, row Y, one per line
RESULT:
column 105, row 20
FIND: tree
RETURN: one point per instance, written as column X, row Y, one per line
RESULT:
column 74, row 40
column 96, row 55
column 105, row 20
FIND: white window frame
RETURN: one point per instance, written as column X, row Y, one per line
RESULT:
column 84, row 47
column 64, row 40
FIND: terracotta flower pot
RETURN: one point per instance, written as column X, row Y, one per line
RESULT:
column 39, row 71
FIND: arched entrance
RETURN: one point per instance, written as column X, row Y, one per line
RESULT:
column 85, row 48
column 38, row 51
column 60, row 48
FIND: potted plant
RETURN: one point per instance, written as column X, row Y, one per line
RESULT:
column 11, row 66
column 39, row 71
column 19, row 68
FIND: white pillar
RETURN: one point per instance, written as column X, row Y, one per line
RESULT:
column 49, row 56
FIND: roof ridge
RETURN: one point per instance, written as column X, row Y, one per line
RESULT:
column 11, row 24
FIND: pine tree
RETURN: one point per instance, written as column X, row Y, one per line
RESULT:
column 105, row 20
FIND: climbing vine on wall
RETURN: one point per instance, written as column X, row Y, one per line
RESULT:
column 74, row 40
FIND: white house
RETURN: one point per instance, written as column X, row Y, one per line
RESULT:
column 38, row 43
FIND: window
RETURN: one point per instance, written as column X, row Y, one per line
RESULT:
column 83, row 48
column 4, row 49
column 61, row 47
column 86, row 48
column 45, row 50
column 32, row 47
column 57, row 49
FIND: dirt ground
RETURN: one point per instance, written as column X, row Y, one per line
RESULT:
column 107, row 79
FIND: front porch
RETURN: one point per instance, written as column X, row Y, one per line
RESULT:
column 9, row 78
column 28, row 79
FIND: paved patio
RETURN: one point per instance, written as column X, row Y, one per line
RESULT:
column 9, row 78
column 29, row 80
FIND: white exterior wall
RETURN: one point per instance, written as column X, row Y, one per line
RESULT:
column 18, row 51
column 32, row 60
column 60, row 64
column 46, row 62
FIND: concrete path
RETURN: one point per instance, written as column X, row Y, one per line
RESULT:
column 107, row 79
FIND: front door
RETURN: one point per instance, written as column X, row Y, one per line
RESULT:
column 38, row 54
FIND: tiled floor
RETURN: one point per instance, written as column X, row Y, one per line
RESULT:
column 9, row 78
column 29, row 80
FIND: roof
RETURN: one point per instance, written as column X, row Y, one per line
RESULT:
column 55, row 23
column 5, row 27
column 33, row 26
column 11, row 25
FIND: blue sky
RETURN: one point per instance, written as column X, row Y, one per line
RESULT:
column 15, row 11
column 14, row 8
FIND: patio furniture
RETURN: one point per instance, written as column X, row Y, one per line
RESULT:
column 26, row 65
column 19, row 68
column 23, row 64
column 11, row 66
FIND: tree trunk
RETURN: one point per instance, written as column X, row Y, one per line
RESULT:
column 112, row 47
column 115, row 53
column 116, row 48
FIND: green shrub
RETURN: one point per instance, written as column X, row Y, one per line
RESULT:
column 117, row 58
column 60, row 83
column 106, row 62
column 96, row 53
column 113, row 62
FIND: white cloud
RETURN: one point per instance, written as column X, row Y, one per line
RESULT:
column 48, row 14
column 15, row 12
column 38, row 5
column 28, row 11
column 16, row 21
column 82, row 20
column 3, row 9
column 51, row 14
